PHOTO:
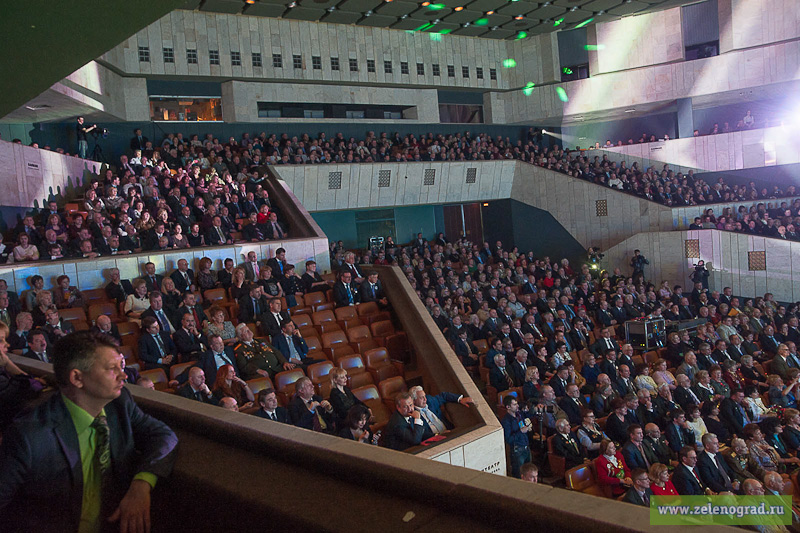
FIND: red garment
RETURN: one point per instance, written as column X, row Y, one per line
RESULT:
column 262, row 218
column 668, row 490
column 607, row 473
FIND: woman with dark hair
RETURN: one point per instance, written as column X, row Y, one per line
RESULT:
column 710, row 412
column 772, row 428
column 206, row 278
column 228, row 383
column 37, row 285
column 355, row 426
column 791, row 429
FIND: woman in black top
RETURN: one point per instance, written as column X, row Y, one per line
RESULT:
column 356, row 426
column 342, row 398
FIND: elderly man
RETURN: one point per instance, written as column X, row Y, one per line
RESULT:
column 228, row 403
column 256, row 359
column 406, row 427
column 566, row 445
column 88, row 455
column 712, row 468
column 308, row 410
column 430, row 407
column 104, row 326
column 18, row 340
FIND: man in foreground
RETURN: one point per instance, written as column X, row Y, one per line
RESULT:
column 87, row 456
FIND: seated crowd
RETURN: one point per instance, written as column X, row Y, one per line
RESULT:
column 247, row 337
column 779, row 221
column 543, row 339
column 192, row 192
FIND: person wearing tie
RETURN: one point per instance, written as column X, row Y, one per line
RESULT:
column 499, row 377
column 270, row 409
column 278, row 263
column 196, row 388
column 430, row 407
column 679, row 433
column 156, row 350
column 685, row 477
column 274, row 229
column 604, row 343
column 292, row 345
column 37, row 346
column 343, row 293
column 184, row 277
column 712, row 467
column 640, row 493
column 372, row 291
column 156, row 311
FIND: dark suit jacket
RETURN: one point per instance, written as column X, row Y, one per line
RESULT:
column 279, row 342
column 280, row 413
column 634, row 459
column 732, row 417
column 675, row 441
column 400, row 434
column 573, row 454
column 182, row 310
column 572, row 409
column 270, row 326
column 558, row 387
column 187, row 392
column 277, row 268
column 149, row 282
column 779, row 366
column 149, row 353
column 180, row 282
column 709, row 472
column 187, row 345
column 247, row 311
column 366, row 291
column 633, row 496
column 517, row 373
column 212, row 237
column 271, row 234
column 41, row 480
column 173, row 320
column 498, row 380
column 114, row 331
column 683, row 398
column 119, row 292
column 599, row 347
column 66, row 327
column 685, row 483
column 300, row 416
column 340, row 296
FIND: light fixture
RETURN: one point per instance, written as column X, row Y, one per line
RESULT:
column 490, row 12
column 630, row 110
column 495, row 28
column 465, row 25
column 459, row 8
column 519, row 17
column 250, row 2
column 425, row 4
column 437, row 21
column 404, row 16
column 331, row 9
column 293, row 4
column 574, row 8
column 368, row 13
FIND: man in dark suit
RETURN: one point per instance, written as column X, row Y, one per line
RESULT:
column 274, row 316
column 156, row 349
column 466, row 351
column 518, row 367
column 37, row 346
column 167, row 321
column 372, row 290
column 634, row 451
column 217, row 235
column 189, row 341
column 293, row 346
column 308, row 410
column 685, row 477
column 275, row 230
column 103, row 325
column 270, row 409
column 684, row 395
column 349, row 265
column 55, row 327
column 253, row 306
column 344, row 293
column 405, row 427
column 768, row 341
column 560, row 381
column 499, row 376
column 196, row 388
column 278, row 263
column 152, row 279
column 712, row 467
column 608, row 365
column 252, row 270
column 138, row 141
column 39, row 488
column 732, row 413
column 118, row 289
column 212, row 359
column 678, row 432
column 573, row 404
column 253, row 231
column 604, row 343
column 566, row 445
column 183, row 277
column 639, row 493
column 624, row 384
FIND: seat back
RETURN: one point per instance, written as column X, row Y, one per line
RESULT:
column 355, row 381
column 127, row 353
column 389, row 388
column 259, row 384
column 318, row 372
column 93, row 296
column 318, row 317
column 367, row 308
column 313, row 298
column 557, row 463
column 157, row 376
column 376, row 358
column 333, row 337
column 69, row 315
column 313, row 343
column 382, row 328
column 177, row 369
column 216, row 296
column 286, row 378
column 481, row 345
column 581, row 478
column 105, row 308
column 308, row 332
column 367, row 392
column 358, row 333
column 345, row 313
column 302, row 321
column 128, row 328
column 352, row 363
column 515, row 392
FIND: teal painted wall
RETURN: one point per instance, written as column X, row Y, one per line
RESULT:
column 338, row 225
column 9, row 132
column 411, row 220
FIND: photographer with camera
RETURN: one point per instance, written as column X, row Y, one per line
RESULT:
column 700, row 274
column 83, row 143
column 516, row 426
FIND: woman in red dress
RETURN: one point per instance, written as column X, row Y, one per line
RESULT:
column 660, row 482
column 611, row 469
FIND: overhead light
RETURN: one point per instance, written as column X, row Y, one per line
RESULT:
column 425, row 4
column 251, row 2
column 368, row 13
column 404, row 17
column 630, row 110
column 330, row 9
column 519, row 17
column 495, row 28
column 544, row 130
column 437, row 21
column 574, row 8
column 485, row 204
column 465, row 25
column 291, row 5
column 490, row 12
column 459, row 8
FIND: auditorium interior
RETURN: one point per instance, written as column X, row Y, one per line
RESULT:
column 534, row 175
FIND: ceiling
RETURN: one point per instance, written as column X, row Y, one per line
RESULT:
column 493, row 19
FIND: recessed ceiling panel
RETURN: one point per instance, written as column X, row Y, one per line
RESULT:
column 359, row 6
column 396, row 8
column 470, row 31
column 304, row 13
column 378, row 21
column 460, row 17
column 341, row 17
column 500, row 34
column 628, row 8
column 426, row 13
column 516, row 8
column 600, row 5
column 223, row 6
column 266, row 10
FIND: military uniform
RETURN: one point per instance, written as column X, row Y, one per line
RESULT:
column 258, row 356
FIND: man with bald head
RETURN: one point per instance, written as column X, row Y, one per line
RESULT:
column 196, row 388
column 104, row 325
